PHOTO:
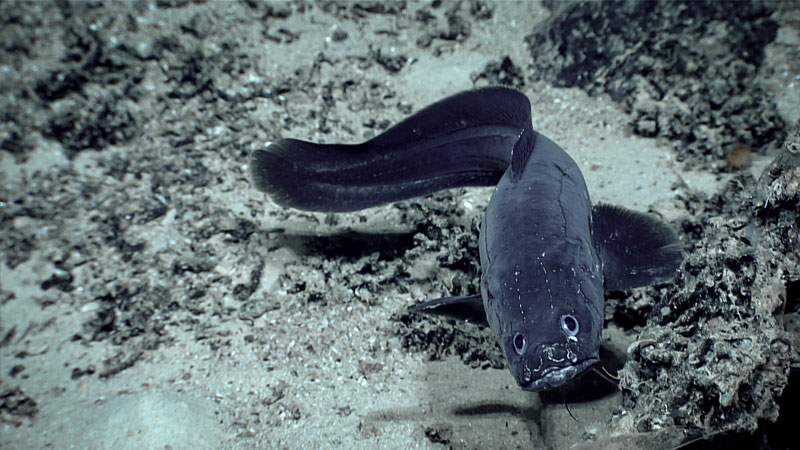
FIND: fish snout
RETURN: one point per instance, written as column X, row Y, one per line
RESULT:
column 550, row 365
column 559, row 354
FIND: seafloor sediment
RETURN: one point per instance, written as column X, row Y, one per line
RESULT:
column 141, row 270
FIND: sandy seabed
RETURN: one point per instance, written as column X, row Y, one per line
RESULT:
column 152, row 298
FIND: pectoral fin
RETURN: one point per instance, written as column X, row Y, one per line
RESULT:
column 468, row 308
column 636, row 249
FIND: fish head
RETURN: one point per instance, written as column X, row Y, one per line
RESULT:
column 548, row 324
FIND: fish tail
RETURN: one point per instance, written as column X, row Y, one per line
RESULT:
column 464, row 140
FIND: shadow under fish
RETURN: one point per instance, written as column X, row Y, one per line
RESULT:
column 547, row 254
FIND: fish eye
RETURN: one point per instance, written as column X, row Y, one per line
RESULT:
column 519, row 343
column 569, row 325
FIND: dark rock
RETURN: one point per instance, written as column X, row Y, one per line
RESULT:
column 500, row 73
column 61, row 279
column 392, row 63
column 713, row 356
column 684, row 69
column 14, row 401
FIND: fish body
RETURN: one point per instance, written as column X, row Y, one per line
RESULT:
column 542, row 278
column 547, row 254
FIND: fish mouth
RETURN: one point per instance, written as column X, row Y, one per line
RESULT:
column 556, row 376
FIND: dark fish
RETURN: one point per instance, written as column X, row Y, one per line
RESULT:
column 547, row 254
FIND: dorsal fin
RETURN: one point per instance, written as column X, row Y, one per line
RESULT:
column 522, row 152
